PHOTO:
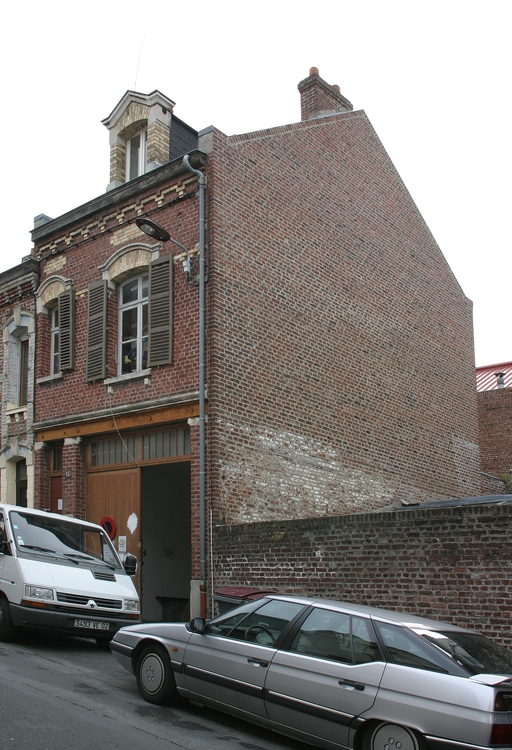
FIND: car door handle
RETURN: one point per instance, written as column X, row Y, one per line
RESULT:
column 258, row 662
column 350, row 684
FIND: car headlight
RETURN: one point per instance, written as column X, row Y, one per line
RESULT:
column 38, row 592
column 131, row 605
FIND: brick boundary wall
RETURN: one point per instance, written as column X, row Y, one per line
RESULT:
column 451, row 564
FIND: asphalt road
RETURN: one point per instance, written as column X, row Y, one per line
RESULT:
column 66, row 694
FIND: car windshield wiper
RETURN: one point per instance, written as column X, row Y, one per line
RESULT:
column 79, row 557
column 46, row 551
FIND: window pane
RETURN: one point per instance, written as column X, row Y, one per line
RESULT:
column 130, row 291
column 326, row 635
column 263, row 626
column 129, row 325
column 144, row 320
column 144, row 363
column 364, row 641
column 134, row 156
column 145, row 282
column 23, row 384
column 129, row 357
column 406, row 648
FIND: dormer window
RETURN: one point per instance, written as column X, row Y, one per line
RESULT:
column 136, row 155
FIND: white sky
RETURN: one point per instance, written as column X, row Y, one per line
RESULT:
column 434, row 78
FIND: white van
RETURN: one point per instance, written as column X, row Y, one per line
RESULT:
column 62, row 575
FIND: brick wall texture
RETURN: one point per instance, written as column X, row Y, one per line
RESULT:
column 341, row 372
column 495, row 423
column 450, row 564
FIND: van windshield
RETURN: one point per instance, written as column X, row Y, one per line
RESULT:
column 61, row 539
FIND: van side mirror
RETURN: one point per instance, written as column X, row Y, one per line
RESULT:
column 198, row 625
column 130, row 565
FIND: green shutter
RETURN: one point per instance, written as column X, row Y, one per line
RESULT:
column 97, row 331
column 160, row 312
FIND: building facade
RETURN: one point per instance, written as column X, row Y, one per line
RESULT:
column 17, row 355
column 338, row 363
column 494, row 386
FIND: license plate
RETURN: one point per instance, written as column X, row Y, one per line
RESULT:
column 92, row 624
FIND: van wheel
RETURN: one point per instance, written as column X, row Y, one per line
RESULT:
column 385, row 736
column 6, row 624
column 155, row 678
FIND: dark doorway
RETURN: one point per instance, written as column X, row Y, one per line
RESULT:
column 21, row 483
column 166, row 545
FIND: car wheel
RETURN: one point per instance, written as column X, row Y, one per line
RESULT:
column 390, row 737
column 155, row 678
column 6, row 624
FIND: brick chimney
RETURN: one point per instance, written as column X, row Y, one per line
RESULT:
column 318, row 98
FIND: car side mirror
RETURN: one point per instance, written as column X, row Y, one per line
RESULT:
column 130, row 565
column 198, row 625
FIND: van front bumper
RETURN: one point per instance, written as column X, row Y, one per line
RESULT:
column 83, row 624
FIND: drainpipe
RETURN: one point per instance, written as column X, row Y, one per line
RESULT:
column 202, row 418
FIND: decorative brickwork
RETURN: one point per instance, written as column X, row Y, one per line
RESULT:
column 451, row 564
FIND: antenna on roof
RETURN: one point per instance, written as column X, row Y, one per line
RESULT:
column 138, row 63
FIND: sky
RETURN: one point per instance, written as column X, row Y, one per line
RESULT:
column 433, row 77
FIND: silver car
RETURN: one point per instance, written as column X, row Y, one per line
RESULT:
column 333, row 674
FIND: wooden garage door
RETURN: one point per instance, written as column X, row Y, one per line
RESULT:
column 116, row 494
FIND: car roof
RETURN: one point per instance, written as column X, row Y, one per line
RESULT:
column 387, row 615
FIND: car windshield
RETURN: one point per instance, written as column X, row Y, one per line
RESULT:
column 477, row 654
column 69, row 542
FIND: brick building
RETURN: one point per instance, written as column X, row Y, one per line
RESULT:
column 494, row 387
column 17, row 316
column 338, row 363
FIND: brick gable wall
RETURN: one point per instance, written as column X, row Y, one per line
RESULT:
column 342, row 370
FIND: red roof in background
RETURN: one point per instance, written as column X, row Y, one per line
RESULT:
column 486, row 377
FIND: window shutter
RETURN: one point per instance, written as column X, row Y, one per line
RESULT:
column 97, row 331
column 160, row 312
column 66, row 302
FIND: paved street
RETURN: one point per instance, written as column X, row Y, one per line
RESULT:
column 57, row 694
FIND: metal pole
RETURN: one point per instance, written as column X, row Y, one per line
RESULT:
column 202, row 418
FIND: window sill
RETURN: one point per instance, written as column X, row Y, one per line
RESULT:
column 16, row 413
column 50, row 378
column 128, row 377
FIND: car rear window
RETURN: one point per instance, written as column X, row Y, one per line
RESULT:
column 405, row 648
column 476, row 653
